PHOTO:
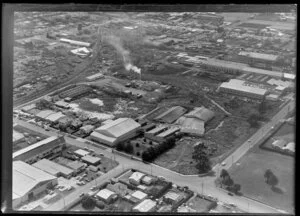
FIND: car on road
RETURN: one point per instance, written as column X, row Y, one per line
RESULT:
column 230, row 194
column 81, row 195
column 100, row 154
column 232, row 204
column 223, row 163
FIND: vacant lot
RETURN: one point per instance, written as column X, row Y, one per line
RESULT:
column 199, row 204
column 251, row 168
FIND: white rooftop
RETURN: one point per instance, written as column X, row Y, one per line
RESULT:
column 139, row 195
column 26, row 177
column 105, row 194
column 137, row 176
column 239, row 85
column 81, row 152
column 145, row 206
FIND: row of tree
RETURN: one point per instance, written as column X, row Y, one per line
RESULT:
column 228, row 182
column 200, row 155
column 126, row 147
column 151, row 153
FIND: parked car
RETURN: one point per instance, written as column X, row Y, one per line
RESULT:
column 230, row 194
column 81, row 195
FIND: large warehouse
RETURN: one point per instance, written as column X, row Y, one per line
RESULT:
column 53, row 168
column 238, row 87
column 28, row 182
column 32, row 153
column 251, row 57
column 116, row 131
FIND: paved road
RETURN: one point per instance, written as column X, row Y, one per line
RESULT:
column 263, row 131
column 193, row 182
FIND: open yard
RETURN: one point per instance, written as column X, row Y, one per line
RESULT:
column 249, row 172
column 200, row 204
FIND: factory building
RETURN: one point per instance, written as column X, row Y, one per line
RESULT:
column 171, row 115
column 193, row 123
column 116, row 131
column 28, row 182
column 253, row 57
column 47, row 147
column 53, row 168
column 166, row 134
column 151, row 134
column 239, row 88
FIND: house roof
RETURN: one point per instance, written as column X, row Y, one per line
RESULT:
column 137, row 176
column 139, row 195
column 172, row 195
column 279, row 143
column 26, row 177
column 62, row 103
column 118, row 127
column 145, row 206
column 290, row 146
column 105, row 193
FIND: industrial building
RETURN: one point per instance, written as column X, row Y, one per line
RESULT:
column 55, row 117
column 238, row 87
column 95, row 77
column 193, row 123
column 28, row 107
column 166, row 134
column 116, row 131
column 53, row 168
column 151, row 134
column 42, row 115
column 73, row 42
column 50, row 146
column 91, row 160
column 253, row 57
column 62, row 104
column 146, row 205
column 106, row 195
column 28, row 182
column 171, row 114
column 76, row 166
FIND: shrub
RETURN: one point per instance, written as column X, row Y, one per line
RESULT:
column 88, row 202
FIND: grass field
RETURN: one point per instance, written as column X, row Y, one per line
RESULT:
column 249, row 172
column 199, row 204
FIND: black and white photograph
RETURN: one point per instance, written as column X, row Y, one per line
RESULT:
column 152, row 110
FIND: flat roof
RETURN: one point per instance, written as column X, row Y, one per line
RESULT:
column 75, row 165
column 261, row 71
column 52, row 167
column 262, row 56
column 44, row 113
column 168, row 132
column 55, row 116
column 139, row 195
column 33, row 146
column 91, row 159
column 81, row 152
column 137, row 176
column 145, row 205
column 238, row 85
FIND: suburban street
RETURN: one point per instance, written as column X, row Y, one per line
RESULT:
column 204, row 185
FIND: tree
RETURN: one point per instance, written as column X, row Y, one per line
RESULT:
column 128, row 148
column 273, row 180
column 88, row 202
column 120, row 147
column 201, row 157
column 262, row 107
column 227, row 181
column 224, row 173
column 253, row 120
column 267, row 174
column 43, row 104
column 236, row 188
